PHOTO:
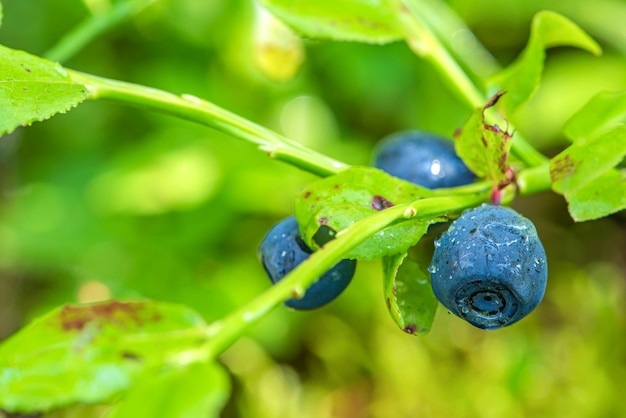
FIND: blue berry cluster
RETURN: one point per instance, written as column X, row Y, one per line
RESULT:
column 489, row 267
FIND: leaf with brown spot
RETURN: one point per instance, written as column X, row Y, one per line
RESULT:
column 584, row 173
column 363, row 192
column 483, row 147
column 90, row 353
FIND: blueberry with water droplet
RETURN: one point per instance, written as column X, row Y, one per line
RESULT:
column 490, row 267
column 282, row 250
column 422, row 158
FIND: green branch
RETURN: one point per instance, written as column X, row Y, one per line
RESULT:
column 424, row 42
column 94, row 25
column 200, row 111
column 223, row 333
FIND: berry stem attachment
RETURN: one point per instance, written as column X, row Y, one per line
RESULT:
column 206, row 113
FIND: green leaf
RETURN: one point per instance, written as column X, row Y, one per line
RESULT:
column 409, row 295
column 483, row 147
column 598, row 198
column 199, row 390
column 90, row 353
column 343, row 199
column 33, row 89
column 581, row 170
column 522, row 77
column 602, row 112
column 370, row 21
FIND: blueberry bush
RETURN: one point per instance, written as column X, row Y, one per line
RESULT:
column 137, row 234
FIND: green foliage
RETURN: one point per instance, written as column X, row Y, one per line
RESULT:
column 408, row 294
column 341, row 200
column 605, row 110
column 198, row 390
column 342, row 20
column 33, row 89
column 484, row 148
column 575, row 172
column 181, row 222
column 522, row 78
column 91, row 353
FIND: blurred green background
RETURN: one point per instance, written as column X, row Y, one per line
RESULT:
column 107, row 201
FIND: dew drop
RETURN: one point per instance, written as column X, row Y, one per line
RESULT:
column 432, row 269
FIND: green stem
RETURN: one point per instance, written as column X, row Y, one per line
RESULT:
column 534, row 179
column 454, row 33
column 223, row 333
column 90, row 28
column 425, row 43
column 197, row 110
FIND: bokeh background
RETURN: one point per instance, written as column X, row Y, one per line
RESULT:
column 107, row 201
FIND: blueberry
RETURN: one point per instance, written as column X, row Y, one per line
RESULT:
column 422, row 158
column 490, row 267
column 282, row 250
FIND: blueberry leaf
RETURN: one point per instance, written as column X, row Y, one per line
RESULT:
column 90, row 353
column 584, row 174
column 600, row 197
column 33, row 89
column 370, row 21
column 199, row 390
column 522, row 77
column 484, row 148
column 605, row 110
column 345, row 198
column 408, row 294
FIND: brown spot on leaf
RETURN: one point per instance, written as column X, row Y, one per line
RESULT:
column 494, row 99
column 380, row 203
column 562, row 167
column 130, row 356
column 388, row 303
column 322, row 220
column 118, row 314
column 495, row 128
column 307, row 194
column 410, row 329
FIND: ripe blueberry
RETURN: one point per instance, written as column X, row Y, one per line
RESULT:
column 282, row 250
column 490, row 267
column 422, row 158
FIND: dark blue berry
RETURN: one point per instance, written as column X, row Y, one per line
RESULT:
column 282, row 250
column 490, row 267
column 422, row 158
